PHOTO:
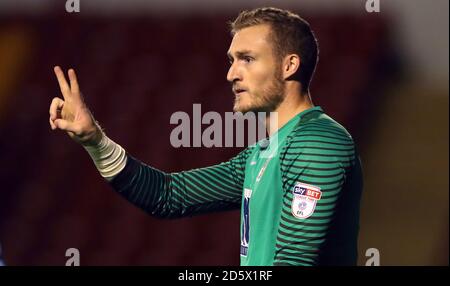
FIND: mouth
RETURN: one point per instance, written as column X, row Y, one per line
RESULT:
column 239, row 91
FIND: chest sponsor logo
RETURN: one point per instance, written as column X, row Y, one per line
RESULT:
column 304, row 200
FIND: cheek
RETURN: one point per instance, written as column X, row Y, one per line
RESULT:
column 260, row 79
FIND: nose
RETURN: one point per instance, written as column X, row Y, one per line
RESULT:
column 233, row 74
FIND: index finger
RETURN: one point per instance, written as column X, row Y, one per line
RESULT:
column 65, row 90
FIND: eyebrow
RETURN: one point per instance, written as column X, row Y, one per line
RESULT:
column 239, row 54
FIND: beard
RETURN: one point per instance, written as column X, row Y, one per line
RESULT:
column 266, row 99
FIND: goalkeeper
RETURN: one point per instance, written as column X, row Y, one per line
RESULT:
column 299, row 205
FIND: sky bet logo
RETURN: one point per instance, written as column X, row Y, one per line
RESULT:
column 308, row 191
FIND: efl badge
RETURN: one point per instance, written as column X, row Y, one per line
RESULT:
column 304, row 200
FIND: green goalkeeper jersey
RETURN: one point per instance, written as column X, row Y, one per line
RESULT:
column 298, row 192
column 262, row 199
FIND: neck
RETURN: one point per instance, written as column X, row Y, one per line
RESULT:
column 293, row 104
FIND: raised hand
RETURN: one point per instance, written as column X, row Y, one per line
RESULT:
column 71, row 113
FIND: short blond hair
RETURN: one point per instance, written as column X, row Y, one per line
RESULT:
column 290, row 34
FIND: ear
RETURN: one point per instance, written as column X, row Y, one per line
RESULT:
column 291, row 64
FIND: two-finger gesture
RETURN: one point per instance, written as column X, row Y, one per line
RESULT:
column 71, row 113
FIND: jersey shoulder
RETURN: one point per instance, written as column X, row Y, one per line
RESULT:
column 319, row 138
column 320, row 126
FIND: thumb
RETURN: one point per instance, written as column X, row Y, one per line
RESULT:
column 66, row 125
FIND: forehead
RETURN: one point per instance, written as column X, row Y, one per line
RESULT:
column 254, row 39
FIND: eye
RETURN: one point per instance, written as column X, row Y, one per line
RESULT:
column 248, row 59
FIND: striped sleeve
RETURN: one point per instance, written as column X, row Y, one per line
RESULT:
column 187, row 193
column 320, row 153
